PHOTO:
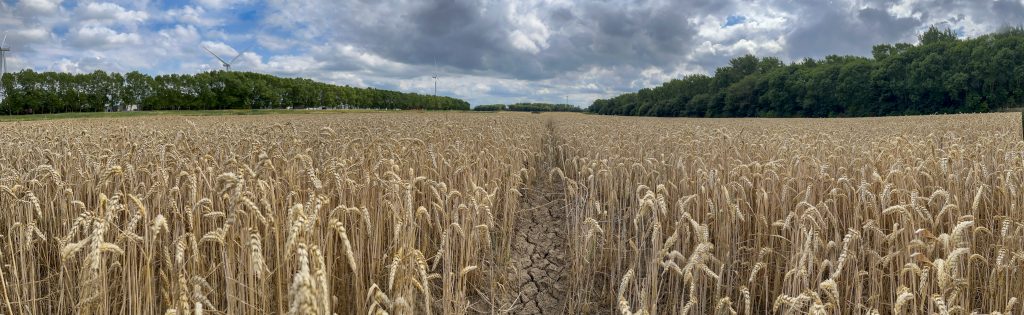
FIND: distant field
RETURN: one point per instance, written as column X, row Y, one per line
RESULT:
column 455, row 213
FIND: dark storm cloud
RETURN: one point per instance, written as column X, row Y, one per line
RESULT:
column 654, row 34
column 457, row 32
column 1011, row 11
column 474, row 36
column 834, row 32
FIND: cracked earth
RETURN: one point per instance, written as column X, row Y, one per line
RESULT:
column 539, row 256
column 539, row 248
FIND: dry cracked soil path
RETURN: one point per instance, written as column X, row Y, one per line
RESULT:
column 539, row 248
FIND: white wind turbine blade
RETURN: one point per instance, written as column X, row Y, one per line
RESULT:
column 214, row 55
column 4, row 41
column 240, row 54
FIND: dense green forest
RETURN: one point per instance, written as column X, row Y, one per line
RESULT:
column 529, row 107
column 941, row 74
column 28, row 91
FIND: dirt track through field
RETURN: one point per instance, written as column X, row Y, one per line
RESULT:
column 539, row 248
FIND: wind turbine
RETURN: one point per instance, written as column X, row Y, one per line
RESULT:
column 226, row 64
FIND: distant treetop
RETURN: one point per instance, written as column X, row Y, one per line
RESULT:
column 940, row 74
column 28, row 91
column 529, row 107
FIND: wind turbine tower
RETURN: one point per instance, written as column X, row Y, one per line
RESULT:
column 434, row 76
column 3, row 65
column 3, row 56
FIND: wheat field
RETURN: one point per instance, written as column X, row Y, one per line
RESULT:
column 470, row 213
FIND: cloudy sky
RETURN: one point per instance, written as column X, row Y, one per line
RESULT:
column 484, row 51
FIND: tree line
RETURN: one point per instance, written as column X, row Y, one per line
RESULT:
column 28, row 92
column 529, row 107
column 940, row 74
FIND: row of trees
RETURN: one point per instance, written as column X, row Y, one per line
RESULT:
column 28, row 92
column 529, row 107
column 941, row 74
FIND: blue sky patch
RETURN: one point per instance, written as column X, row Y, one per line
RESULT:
column 734, row 20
